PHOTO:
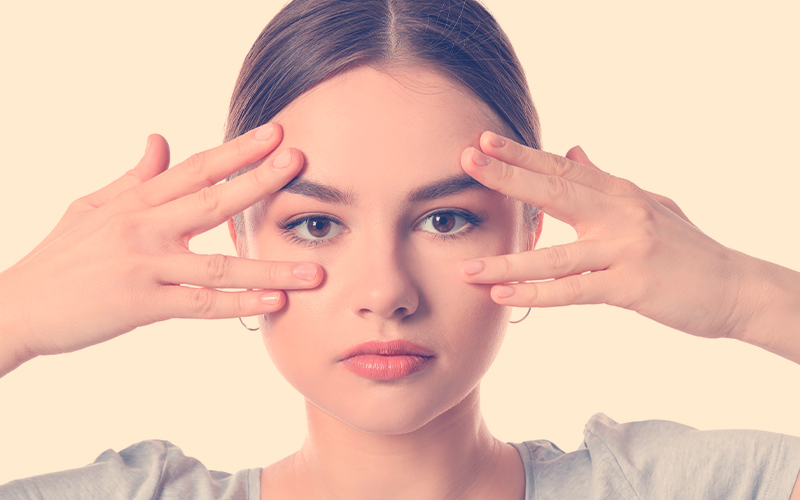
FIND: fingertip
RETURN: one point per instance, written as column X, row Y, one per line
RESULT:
column 577, row 154
column 491, row 140
column 472, row 267
column 274, row 299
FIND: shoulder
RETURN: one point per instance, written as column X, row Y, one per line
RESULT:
column 665, row 459
column 152, row 469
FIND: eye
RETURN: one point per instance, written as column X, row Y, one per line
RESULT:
column 312, row 229
column 444, row 223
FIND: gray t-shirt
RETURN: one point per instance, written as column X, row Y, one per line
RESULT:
column 653, row 459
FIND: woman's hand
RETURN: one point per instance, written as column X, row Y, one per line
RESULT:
column 119, row 257
column 635, row 249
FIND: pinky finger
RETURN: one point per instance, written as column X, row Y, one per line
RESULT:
column 586, row 288
column 208, row 303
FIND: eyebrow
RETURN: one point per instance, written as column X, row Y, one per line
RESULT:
column 328, row 194
column 444, row 187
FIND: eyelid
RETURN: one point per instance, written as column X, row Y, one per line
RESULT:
column 288, row 229
column 472, row 220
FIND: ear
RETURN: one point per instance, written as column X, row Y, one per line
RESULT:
column 533, row 238
column 232, row 230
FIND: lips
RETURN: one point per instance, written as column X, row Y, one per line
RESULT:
column 390, row 360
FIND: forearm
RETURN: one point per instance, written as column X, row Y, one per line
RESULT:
column 771, row 308
column 12, row 352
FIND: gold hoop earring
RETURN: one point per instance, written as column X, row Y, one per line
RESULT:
column 520, row 320
column 251, row 329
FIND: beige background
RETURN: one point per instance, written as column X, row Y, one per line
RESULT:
column 694, row 100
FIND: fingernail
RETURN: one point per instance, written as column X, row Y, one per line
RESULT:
column 147, row 146
column 496, row 141
column 504, row 291
column 283, row 160
column 479, row 158
column 264, row 132
column 305, row 271
column 271, row 298
column 473, row 266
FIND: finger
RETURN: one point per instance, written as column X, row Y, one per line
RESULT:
column 555, row 195
column 213, row 205
column 671, row 205
column 535, row 160
column 207, row 303
column 154, row 162
column 587, row 288
column 577, row 154
column 547, row 263
column 223, row 271
column 211, row 166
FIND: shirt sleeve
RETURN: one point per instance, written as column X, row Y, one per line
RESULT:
column 659, row 459
column 144, row 471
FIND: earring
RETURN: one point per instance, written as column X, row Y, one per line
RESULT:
column 251, row 329
column 520, row 320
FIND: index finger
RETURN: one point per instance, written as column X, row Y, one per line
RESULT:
column 209, row 167
column 554, row 195
column 542, row 162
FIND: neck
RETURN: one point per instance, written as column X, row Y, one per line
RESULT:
column 452, row 456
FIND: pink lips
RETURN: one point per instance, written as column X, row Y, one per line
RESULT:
column 390, row 360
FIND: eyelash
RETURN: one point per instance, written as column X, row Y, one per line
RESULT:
column 287, row 227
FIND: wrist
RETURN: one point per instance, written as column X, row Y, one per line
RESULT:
column 13, row 350
column 769, row 300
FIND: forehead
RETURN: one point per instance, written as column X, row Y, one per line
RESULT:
column 404, row 128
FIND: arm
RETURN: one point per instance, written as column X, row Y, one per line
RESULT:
column 772, row 298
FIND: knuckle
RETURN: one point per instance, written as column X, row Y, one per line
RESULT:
column 560, row 166
column 207, row 199
column 573, row 290
column 505, row 174
column 558, row 188
column 624, row 186
column 217, row 267
column 274, row 273
column 639, row 212
column 195, row 167
column 558, row 259
column 202, row 302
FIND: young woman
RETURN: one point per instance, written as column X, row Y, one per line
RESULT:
column 409, row 217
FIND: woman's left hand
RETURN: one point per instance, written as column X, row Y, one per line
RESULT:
column 635, row 249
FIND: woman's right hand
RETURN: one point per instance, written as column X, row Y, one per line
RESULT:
column 118, row 257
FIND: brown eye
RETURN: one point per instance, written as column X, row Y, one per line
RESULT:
column 317, row 228
column 443, row 223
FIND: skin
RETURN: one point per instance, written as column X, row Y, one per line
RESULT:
column 635, row 250
column 389, row 274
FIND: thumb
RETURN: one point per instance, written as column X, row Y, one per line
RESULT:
column 155, row 159
column 577, row 154
column 154, row 162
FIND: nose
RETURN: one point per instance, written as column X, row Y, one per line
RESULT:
column 382, row 282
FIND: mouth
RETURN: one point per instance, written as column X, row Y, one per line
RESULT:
column 390, row 360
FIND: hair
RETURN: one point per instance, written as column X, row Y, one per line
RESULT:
column 311, row 41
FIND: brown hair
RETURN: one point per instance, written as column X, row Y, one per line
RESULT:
column 310, row 41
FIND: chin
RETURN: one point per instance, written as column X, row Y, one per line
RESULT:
column 391, row 409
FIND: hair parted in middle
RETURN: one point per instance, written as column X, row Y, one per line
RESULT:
column 311, row 41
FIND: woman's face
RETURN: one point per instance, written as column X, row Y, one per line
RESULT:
column 385, row 208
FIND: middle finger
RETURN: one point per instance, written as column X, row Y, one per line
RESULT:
column 213, row 205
